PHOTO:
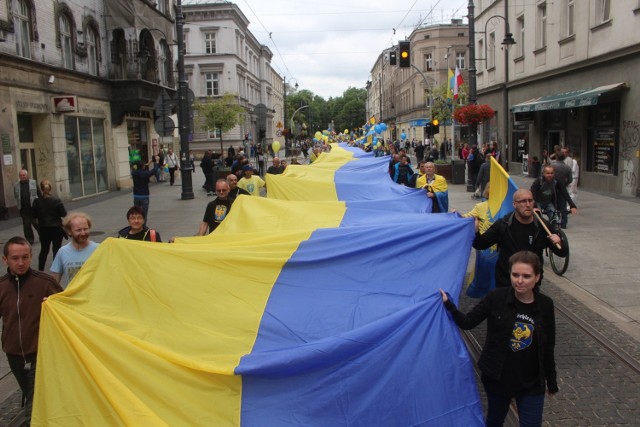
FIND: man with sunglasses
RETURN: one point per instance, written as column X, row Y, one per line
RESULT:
column 518, row 231
column 217, row 210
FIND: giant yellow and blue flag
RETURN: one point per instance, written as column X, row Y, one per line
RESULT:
column 292, row 312
column 500, row 203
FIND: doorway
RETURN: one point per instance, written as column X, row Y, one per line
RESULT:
column 27, row 145
column 554, row 137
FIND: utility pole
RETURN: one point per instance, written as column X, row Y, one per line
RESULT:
column 183, row 110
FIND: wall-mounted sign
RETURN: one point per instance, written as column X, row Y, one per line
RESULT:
column 65, row 104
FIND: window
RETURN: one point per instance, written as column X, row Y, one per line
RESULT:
column 66, row 42
column 22, row 19
column 164, row 64
column 603, row 10
column 92, row 51
column 460, row 62
column 209, row 43
column 211, row 84
column 162, row 6
column 570, row 18
column 491, row 53
column 86, row 148
column 481, row 49
column 520, row 29
column 542, row 26
column 428, row 62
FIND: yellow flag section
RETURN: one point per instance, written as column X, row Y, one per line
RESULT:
column 150, row 334
column 310, row 182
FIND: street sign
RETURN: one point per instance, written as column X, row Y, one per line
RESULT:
column 279, row 133
column 164, row 105
column 279, row 125
column 164, row 126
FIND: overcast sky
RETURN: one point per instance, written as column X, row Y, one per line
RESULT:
column 328, row 46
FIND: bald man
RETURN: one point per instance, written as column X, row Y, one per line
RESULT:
column 518, row 231
column 276, row 168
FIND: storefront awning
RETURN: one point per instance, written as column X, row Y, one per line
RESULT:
column 573, row 99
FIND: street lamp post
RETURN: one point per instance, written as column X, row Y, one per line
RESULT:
column 183, row 110
column 284, row 114
column 507, row 42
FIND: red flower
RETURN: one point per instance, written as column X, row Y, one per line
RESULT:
column 473, row 113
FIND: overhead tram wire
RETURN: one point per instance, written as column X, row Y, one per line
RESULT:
column 270, row 38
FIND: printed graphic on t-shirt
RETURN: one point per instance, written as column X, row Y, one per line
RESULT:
column 220, row 212
column 522, row 336
column 251, row 187
column 72, row 270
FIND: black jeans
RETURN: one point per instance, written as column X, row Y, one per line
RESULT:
column 26, row 379
column 172, row 174
column 49, row 236
column 27, row 227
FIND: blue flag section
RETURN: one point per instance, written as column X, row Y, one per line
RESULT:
column 370, row 345
column 500, row 203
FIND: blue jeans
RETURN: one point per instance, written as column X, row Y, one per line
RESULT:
column 529, row 409
column 143, row 202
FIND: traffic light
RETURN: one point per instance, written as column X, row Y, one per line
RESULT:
column 435, row 126
column 405, row 54
column 393, row 56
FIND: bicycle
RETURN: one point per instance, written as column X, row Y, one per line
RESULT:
column 559, row 264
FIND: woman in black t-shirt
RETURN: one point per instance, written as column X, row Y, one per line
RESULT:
column 517, row 360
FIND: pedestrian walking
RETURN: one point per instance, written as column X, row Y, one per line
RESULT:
column 136, row 229
column 22, row 291
column 173, row 163
column 517, row 360
column 26, row 191
column 72, row 256
column 141, row 175
column 48, row 211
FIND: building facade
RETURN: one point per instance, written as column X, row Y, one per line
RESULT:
column 570, row 80
column 404, row 98
column 223, row 56
column 79, row 84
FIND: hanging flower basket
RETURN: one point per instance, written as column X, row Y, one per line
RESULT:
column 473, row 114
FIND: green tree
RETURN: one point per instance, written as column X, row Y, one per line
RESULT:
column 223, row 113
column 346, row 111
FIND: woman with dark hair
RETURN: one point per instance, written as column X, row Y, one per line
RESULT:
column 48, row 211
column 136, row 229
column 517, row 360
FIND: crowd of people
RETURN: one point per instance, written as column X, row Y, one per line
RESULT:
column 517, row 361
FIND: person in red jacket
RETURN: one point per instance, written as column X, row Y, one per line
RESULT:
column 22, row 291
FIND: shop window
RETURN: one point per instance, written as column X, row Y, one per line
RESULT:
column 86, row 156
column 603, row 137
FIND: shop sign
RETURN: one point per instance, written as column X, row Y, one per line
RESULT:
column 65, row 104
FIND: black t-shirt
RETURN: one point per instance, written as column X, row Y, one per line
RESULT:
column 523, row 234
column 520, row 373
column 275, row 170
column 144, row 234
column 216, row 212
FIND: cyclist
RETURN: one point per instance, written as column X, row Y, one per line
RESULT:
column 550, row 195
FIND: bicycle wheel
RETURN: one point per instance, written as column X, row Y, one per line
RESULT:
column 560, row 264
